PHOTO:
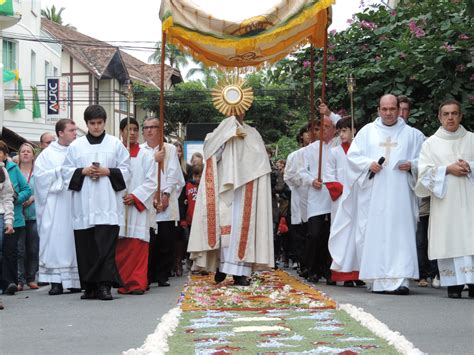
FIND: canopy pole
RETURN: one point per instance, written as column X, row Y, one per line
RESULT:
column 311, row 93
column 323, row 100
column 162, row 114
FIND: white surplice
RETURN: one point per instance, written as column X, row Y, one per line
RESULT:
column 379, row 215
column 97, row 202
column 143, row 186
column 171, row 181
column 299, row 193
column 451, row 227
column 336, row 166
column 232, row 222
column 319, row 201
column 57, row 252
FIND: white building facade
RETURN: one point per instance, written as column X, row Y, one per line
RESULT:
column 26, row 49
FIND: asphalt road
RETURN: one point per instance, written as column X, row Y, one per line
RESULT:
column 35, row 323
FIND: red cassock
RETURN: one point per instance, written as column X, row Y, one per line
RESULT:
column 132, row 262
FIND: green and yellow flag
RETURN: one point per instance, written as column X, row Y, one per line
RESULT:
column 21, row 97
column 36, row 103
column 6, row 8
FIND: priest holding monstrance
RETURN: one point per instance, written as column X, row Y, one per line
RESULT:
column 232, row 225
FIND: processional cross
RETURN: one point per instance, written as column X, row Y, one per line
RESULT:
column 388, row 145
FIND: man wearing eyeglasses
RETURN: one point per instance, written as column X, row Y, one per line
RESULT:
column 163, row 220
column 46, row 139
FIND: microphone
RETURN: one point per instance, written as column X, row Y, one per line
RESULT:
column 380, row 162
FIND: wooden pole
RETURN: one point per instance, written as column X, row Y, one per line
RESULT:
column 129, row 99
column 311, row 94
column 162, row 113
column 323, row 99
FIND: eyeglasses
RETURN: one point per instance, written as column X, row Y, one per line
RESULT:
column 49, row 142
column 150, row 127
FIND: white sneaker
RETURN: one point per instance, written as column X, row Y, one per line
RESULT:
column 435, row 283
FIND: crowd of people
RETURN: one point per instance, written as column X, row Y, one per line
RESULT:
column 83, row 214
column 381, row 205
column 365, row 215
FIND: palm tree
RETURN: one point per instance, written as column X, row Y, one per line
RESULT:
column 210, row 76
column 173, row 56
column 52, row 15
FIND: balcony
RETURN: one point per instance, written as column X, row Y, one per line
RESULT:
column 9, row 21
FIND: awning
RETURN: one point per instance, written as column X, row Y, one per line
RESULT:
column 254, row 41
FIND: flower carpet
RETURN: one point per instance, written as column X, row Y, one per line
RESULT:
column 276, row 314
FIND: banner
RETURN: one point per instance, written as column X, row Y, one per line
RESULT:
column 6, row 8
column 57, row 98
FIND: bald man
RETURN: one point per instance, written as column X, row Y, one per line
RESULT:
column 380, row 213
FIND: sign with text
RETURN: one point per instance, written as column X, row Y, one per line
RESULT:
column 57, row 98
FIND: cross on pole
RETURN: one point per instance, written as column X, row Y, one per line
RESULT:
column 388, row 145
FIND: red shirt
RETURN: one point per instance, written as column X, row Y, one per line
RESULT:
column 191, row 194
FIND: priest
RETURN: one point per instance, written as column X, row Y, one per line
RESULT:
column 446, row 168
column 97, row 170
column 380, row 211
column 57, row 252
column 232, row 225
column 134, row 235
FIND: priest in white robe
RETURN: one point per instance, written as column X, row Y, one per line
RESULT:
column 97, row 170
column 232, row 223
column 57, row 252
column 446, row 175
column 134, row 235
column 382, row 220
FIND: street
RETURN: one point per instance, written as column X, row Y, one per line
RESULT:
column 35, row 323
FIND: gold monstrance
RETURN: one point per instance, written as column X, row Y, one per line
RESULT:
column 232, row 97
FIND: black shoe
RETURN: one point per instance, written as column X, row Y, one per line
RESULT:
column 348, row 283
column 219, row 276
column 470, row 293
column 401, row 291
column 137, row 292
column 103, row 293
column 455, row 291
column 74, row 290
column 163, row 284
column 43, row 283
column 89, row 294
column 313, row 278
column 241, row 281
column 56, row 289
column 359, row 283
column 11, row 289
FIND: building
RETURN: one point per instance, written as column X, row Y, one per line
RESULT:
column 35, row 48
column 27, row 52
column 99, row 74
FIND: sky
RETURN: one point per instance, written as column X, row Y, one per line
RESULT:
column 137, row 21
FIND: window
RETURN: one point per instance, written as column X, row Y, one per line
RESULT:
column 9, row 55
column 47, row 69
column 55, row 71
column 33, row 68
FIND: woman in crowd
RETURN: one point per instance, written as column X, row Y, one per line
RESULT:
column 28, row 242
column 6, row 212
column 21, row 193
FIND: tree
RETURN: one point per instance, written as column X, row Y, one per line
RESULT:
column 173, row 56
column 210, row 76
column 423, row 49
column 53, row 15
